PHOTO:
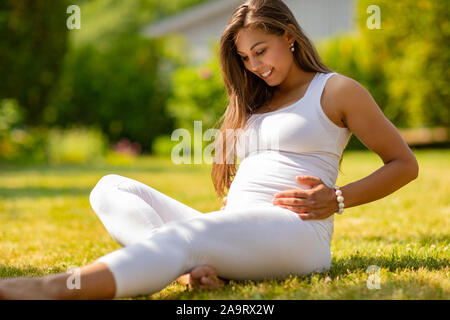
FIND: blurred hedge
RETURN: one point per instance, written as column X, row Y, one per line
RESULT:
column 413, row 50
column 113, row 77
column 404, row 65
column 104, row 74
column 121, row 90
column 412, row 53
column 76, row 145
column 198, row 95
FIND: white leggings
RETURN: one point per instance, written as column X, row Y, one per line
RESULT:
column 162, row 239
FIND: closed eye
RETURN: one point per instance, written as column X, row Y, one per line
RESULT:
column 257, row 53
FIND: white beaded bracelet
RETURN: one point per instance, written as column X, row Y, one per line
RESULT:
column 340, row 199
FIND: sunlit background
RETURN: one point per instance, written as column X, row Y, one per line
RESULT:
column 136, row 70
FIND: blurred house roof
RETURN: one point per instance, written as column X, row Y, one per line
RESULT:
column 202, row 24
column 192, row 17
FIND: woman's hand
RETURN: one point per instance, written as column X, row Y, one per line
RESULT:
column 224, row 203
column 319, row 202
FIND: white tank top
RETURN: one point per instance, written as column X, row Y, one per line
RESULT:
column 277, row 146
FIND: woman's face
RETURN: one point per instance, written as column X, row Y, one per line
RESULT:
column 267, row 56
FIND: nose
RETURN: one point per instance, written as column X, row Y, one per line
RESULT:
column 254, row 63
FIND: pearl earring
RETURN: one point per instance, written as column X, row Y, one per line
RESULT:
column 292, row 47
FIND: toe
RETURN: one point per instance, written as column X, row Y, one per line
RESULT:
column 204, row 277
column 198, row 272
column 206, row 280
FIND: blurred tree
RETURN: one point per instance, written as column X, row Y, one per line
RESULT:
column 412, row 49
column 32, row 45
column 351, row 55
column 206, row 101
column 404, row 64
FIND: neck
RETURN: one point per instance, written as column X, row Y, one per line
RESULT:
column 296, row 78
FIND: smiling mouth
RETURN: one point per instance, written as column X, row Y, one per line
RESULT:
column 267, row 74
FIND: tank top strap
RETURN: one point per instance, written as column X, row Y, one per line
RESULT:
column 321, row 81
column 319, row 85
column 316, row 94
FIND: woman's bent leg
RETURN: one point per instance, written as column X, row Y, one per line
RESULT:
column 250, row 244
column 131, row 210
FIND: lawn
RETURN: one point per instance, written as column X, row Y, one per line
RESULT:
column 48, row 226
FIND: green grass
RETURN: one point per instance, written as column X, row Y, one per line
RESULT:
column 47, row 225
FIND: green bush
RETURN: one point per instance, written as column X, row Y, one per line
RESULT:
column 11, row 115
column 17, row 144
column 198, row 95
column 119, row 159
column 38, row 145
column 404, row 65
column 349, row 54
column 77, row 145
column 412, row 49
column 163, row 145
column 122, row 91
column 24, row 146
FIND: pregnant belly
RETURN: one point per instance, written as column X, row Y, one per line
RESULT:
column 257, row 181
column 260, row 176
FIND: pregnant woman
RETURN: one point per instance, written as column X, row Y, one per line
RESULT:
column 281, row 202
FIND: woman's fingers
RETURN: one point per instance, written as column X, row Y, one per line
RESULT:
column 292, row 202
column 294, row 209
column 309, row 180
column 304, row 215
column 293, row 193
column 307, row 216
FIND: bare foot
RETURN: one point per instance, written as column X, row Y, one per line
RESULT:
column 202, row 277
column 24, row 289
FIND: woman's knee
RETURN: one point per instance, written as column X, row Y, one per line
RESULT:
column 109, row 180
column 101, row 190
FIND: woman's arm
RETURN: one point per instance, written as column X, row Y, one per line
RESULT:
column 351, row 104
column 364, row 118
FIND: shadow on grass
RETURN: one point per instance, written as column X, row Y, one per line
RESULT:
column 38, row 192
column 70, row 169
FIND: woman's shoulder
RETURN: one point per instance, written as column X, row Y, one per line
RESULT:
column 341, row 93
column 339, row 84
column 340, row 96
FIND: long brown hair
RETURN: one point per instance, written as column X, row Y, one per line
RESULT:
column 246, row 91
